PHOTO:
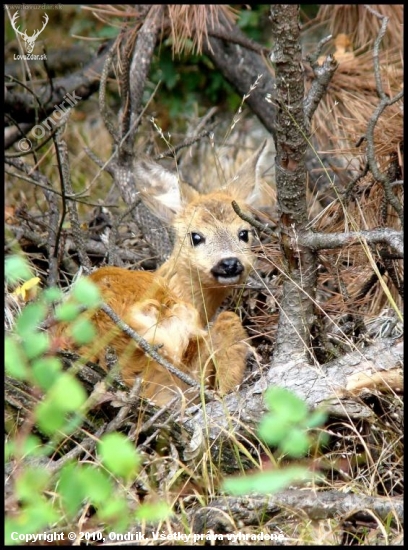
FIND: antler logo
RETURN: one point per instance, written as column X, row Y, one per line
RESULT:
column 29, row 40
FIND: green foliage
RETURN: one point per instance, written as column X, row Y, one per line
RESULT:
column 254, row 22
column 16, row 269
column 86, row 293
column 123, row 464
column 157, row 511
column 61, row 412
column 191, row 83
column 287, row 426
column 188, row 83
column 266, row 482
column 82, row 331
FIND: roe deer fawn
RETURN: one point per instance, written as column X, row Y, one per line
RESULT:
column 172, row 307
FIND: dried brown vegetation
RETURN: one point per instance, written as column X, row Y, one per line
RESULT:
column 355, row 241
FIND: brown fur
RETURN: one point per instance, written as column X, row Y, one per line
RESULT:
column 172, row 307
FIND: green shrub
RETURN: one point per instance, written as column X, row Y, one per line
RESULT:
column 59, row 413
column 287, row 426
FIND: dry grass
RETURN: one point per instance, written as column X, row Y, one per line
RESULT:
column 187, row 25
column 361, row 25
column 341, row 118
column 351, row 100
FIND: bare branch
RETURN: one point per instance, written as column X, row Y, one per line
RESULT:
column 262, row 227
column 385, row 102
column 320, row 241
column 292, row 135
column 227, row 512
column 323, row 75
column 187, row 142
column 323, row 385
column 66, row 184
column 139, row 68
column 106, row 115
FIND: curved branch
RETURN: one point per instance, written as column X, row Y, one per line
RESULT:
column 321, row 241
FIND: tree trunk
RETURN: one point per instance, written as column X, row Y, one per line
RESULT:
column 292, row 131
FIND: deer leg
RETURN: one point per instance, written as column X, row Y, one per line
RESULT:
column 221, row 355
column 228, row 339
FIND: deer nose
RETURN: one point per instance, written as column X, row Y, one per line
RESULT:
column 228, row 267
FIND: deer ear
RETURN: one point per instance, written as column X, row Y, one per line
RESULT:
column 246, row 184
column 159, row 188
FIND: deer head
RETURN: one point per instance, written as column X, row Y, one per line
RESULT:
column 29, row 40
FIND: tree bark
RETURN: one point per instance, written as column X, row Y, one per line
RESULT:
column 292, row 131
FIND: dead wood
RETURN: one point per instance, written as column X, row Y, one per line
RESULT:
column 91, row 246
column 224, row 514
column 110, row 407
column 319, row 241
column 319, row 385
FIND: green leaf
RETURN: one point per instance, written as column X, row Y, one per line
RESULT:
column 272, row 429
column 296, row 444
column 87, row 293
column 83, row 331
column 52, row 294
column 71, row 488
column 153, row 512
column 96, row 484
column 15, row 360
column 116, row 513
column 17, row 269
column 46, row 371
column 266, row 482
column 67, row 394
column 323, row 439
column 36, row 344
column 286, row 404
column 119, row 455
column 30, row 446
column 317, row 418
column 73, row 422
column 67, row 312
column 31, row 482
column 49, row 418
column 33, row 518
column 30, row 318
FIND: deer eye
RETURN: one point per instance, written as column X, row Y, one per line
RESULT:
column 243, row 235
column 196, row 239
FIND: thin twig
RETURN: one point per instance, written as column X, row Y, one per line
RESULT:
column 131, row 398
column 187, row 143
column 385, row 102
column 262, row 227
column 323, row 74
column 86, row 446
column 147, row 348
column 35, row 174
